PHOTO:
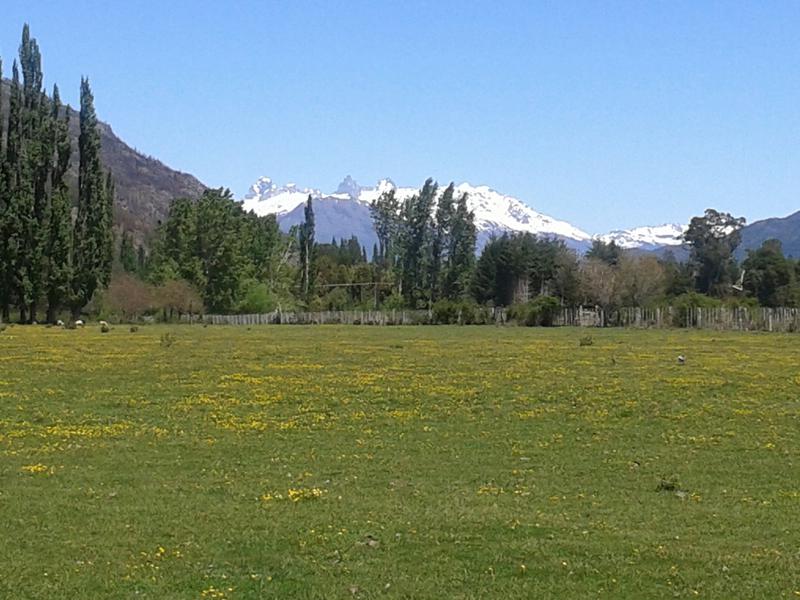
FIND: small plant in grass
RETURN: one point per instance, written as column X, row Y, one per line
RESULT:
column 586, row 340
column 167, row 340
column 3, row 327
column 134, row 329
column 667, row 485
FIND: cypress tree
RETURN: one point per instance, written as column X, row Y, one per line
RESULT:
column 127, row 254
column 6, row 262
column 91, row 261
column 21, row 220
column 59, row 238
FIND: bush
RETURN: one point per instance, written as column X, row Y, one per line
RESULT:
column 461, row 312
column 541, row 311
column 683, row 304
column 394, row 302
column 336, row 299
column 256, row 299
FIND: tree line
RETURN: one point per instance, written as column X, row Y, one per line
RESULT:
column 425, row 257
column 55, row 251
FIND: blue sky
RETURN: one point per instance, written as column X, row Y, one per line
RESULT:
column 606, row 114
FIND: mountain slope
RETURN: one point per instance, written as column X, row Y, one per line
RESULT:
column 145, row 186
column 785, row 229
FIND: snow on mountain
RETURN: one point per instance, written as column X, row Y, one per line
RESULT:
column 646, row 238
column 265, row 198
column 346, row 212
column 494, row 212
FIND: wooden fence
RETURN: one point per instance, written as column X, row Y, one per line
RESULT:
column 739, row 319
column 721, row 318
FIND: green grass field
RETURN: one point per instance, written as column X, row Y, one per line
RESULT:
column 438, row 462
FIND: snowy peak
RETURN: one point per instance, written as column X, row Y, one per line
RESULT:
column 350, row 187
column 494, row 212
column 669, row 234
column 266, row 198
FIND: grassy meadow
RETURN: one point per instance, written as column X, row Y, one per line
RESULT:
column 398, row 462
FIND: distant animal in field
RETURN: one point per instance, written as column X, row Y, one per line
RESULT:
column 79, row 323
column 60, row 323
column 103, row 323
column 681, row 359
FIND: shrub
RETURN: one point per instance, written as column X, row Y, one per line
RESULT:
column 256, row 299
column 394, row 302
column 682, row 306
column 541, row 311
column 462, row 312
column 586, row 340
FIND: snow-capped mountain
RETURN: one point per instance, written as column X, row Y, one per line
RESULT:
column 646, row 238
column 345, row 212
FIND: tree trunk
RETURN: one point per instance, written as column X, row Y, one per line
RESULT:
column 33, row 312
column 23, row 315
column 52, row 309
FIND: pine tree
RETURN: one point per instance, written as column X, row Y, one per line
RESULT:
column 91, row 246
column 307, row 253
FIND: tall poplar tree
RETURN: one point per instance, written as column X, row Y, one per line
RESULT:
column 91, row 248
column 461, row 252
column 306, row 242
column 440, row 247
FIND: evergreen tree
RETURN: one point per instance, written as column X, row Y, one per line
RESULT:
column 91, row 245
column 769, row 275
column 713, row 238
column 6, row 225
column 127, row 253
column 609, row 252
column 141, row 260
column 59, row 243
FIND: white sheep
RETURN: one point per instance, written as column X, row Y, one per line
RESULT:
column 79, row 323
column 103, row 323
column 60, row 323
